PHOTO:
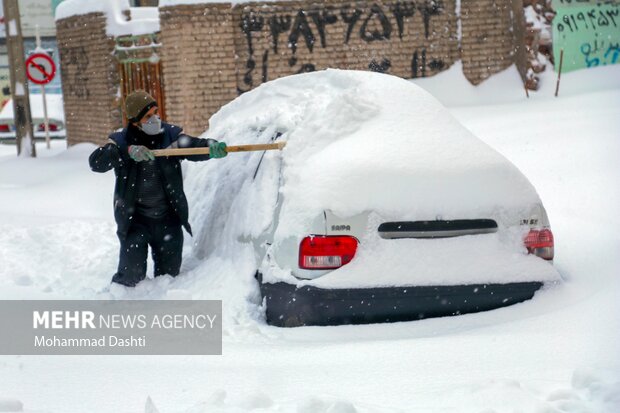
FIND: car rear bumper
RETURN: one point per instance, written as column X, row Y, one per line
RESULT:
column 289, row 306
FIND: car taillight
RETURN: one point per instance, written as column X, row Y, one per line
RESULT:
column 53, row 127
column 320, row 252
column 5, row 128
column 540, row 243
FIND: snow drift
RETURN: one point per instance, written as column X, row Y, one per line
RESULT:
column 356, row 142
column 361, row 141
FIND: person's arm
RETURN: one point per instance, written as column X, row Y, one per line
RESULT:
column 186, row 141
column 105, row 157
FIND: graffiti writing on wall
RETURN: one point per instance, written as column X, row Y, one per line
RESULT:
column 600, row 53
column 307, row 29
column 588, row 34
column 75, row 64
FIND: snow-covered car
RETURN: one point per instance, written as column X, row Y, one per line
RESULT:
column 55, row 113
column 381, row 207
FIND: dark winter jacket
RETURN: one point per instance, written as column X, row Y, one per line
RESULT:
column 115, row 155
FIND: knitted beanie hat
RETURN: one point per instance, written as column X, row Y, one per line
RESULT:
column 137, row 104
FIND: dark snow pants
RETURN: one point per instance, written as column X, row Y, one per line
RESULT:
column 164, row 236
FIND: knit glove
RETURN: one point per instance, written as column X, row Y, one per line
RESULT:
column 140, row 153
column 217, row 150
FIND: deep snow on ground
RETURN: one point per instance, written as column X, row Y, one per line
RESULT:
column 555, row 353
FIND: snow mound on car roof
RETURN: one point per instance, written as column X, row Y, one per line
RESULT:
column 363, row 141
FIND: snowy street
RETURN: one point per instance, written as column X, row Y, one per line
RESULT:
column 557, row 353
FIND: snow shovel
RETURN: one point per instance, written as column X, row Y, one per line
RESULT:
column 205, row 151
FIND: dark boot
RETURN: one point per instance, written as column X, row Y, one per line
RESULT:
column 121, row 279
column 133, row 254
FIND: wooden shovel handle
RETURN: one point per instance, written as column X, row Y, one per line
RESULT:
column 205, row 151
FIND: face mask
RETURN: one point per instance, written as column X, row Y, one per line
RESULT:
column 152, row 126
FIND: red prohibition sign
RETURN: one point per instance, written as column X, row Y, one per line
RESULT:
column 40, row 68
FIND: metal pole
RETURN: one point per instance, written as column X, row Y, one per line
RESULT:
column 46, row 120
column 19, row 84
column 557, row 85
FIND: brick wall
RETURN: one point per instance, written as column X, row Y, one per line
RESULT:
column 198, row 59
column 492, row 34
column 407, row 39
column 273, row 39
column 213, row 52
column 89, row 78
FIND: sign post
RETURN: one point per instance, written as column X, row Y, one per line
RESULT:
column 41, row 69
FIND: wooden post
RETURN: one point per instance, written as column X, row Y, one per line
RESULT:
column 19, row 83
column 557, row 85
column 46, row 120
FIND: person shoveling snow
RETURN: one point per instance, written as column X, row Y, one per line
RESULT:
column 150, row 206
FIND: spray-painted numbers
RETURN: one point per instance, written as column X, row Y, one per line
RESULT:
column 308, row 29
column 382, row 67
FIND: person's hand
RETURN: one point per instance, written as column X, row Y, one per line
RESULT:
column 140, row 153
column 217, row 150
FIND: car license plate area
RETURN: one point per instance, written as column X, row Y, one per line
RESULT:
column 436, row 229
